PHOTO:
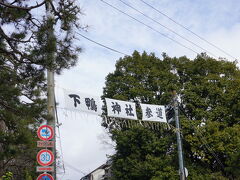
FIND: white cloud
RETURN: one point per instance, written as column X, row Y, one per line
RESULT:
column 227, row 39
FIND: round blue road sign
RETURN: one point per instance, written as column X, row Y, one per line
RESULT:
column 45, row 177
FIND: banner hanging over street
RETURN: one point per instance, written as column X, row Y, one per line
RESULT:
column 121, row 109
column 153, row 113
column 115, row 108
column 82, row 102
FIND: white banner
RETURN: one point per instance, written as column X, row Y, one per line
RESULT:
column 153, row 113
column 121, row 109
column 83, row 102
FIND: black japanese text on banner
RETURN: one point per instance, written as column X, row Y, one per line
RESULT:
column 153, row 113
column 82, row 102
column 121, row 109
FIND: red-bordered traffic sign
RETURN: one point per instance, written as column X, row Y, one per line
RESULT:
column 45, row 157
column 45, row 176
column 45, row 132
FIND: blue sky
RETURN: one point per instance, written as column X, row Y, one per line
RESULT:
column 218, row 21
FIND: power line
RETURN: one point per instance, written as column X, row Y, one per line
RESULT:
column 60, row 141
column 184, row 27
column 75, row 169
column 150, row 27
column 168, row 28
column 101, row 44
column 204, row 141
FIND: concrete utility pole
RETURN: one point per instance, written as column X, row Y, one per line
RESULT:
column 50, row 89
column 179, row 140
column 51, row 112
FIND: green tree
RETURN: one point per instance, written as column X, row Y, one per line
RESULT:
column 26, row 49
column 208, row 91
column 7, row 176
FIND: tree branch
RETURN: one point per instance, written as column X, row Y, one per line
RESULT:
column 55, row 11
column 30, row 18
column 4, row 51
column 20, row 7
column 8, row 39
column 15, row 51
column 9, row 108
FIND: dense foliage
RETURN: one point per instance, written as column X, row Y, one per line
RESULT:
column 28, row 41
column 209, row 101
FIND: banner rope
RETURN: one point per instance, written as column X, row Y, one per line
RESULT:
column 116, row 123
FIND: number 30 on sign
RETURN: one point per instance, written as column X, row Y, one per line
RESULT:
column 45, row 157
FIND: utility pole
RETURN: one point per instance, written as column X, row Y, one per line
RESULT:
column 51, row 113
column 179, row 140
column 50, row 88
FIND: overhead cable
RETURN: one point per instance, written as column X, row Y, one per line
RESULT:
column 75, row 169
column 184, row 27
column 168, row 28
column 203, row 139
column 150, row 27
column 102, row 45
column 60, row 141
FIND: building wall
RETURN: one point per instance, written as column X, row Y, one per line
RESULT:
column 98, row 174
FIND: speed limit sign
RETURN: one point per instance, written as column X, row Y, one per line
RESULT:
column 45, row 157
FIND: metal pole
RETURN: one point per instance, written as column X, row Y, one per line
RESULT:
column 50, row 89
column 179, row 140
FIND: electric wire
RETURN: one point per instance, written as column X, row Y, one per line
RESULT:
column 208, row 147
column 60, row 144
column 150, row 27
column 204, row 140
column 60, row 141
column 114, row 50
column 75, row 169
column 184, row 27
column 174, row 32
